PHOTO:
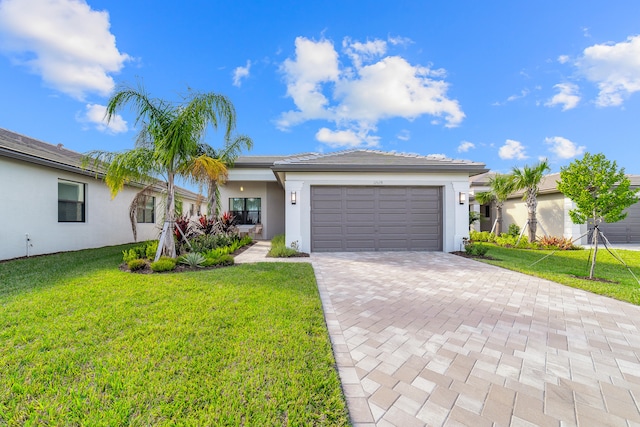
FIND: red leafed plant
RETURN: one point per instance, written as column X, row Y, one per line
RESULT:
column 207, row 224
column 183, row 224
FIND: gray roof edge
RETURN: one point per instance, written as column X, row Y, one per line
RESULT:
column 477, row 168
column 28, row 158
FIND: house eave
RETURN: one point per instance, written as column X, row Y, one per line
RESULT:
column 29, row 158
column 469, row 169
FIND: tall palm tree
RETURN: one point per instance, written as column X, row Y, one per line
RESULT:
column 169, row 145
column 500, row 188
column 227, row 155
column 528, row 179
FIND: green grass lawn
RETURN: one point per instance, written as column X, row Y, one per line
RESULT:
column 563, row 266
column 82, row 343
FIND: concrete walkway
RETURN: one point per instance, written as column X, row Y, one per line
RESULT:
column 439, row 340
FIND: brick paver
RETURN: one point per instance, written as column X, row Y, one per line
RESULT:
column 435, row 339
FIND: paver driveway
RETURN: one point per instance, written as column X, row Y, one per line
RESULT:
column 435, row 339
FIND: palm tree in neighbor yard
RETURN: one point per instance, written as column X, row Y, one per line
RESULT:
column 168, row 145
column 528, row 179
column 500, row 188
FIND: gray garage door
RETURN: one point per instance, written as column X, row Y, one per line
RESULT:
column 376, row 218
column 626, row 231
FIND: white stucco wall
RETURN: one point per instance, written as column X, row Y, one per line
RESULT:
column 298, row 216
column 550, row 214
column 31, row 192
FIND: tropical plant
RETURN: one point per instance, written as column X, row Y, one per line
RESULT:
column 600, row 191
column 473, row 217
column 500, row 188
column 168, row 145
column 192, row 259
column 528, row 179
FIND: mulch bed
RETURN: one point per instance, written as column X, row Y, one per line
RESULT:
column 594, row 279
column 466, row 255
column 181, row 268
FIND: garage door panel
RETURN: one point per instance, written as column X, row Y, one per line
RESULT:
column 360, row 205
column 625, row 231
column 376, row 218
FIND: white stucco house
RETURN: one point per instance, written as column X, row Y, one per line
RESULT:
column 354, row 200
column 553, row 213
column 48, row 203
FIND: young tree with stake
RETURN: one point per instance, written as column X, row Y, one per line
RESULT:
column 600, row 191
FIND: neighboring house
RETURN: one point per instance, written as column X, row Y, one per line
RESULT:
column 354, row 200
column 48, row 203
column 553, row 213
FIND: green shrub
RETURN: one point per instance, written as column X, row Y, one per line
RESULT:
column 482, row 236
column 513, row 230
column 136, row 264
column 129, row 255
column 163, row 264
column 475, row 249
column 282, row 252
column 218, row 252
column 140, row 251
column 507, row 240
column 219, row 260
column 152, row 248
column 279, row 250
column 192, row 259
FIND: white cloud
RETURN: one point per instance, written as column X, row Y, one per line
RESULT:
column 241, row 73
column 95, row 115
column 523, row 93
column 614, row 68
column 345, row 138
column 64, row 41
column 568, row 96
column 404, row 135
column 400, row 41
column 357, row 97
column 563, row 59
column 512, row 150
column 564, row 148
column 465, row 146
column 368, row 51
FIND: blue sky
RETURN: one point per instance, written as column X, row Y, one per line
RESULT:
column 501, row 82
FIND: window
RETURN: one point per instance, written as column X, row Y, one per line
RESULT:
column 246, row 210
column 147, row 212
column 71, row 197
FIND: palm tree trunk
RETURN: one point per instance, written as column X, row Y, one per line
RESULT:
column 169, row 244
column 533, row 221
column 499, row 219
column 213, row 198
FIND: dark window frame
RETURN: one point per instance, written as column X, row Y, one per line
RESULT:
column 245, row 216
column 147, row 214
column 64, row 211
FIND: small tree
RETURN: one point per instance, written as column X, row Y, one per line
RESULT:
column 600, row 191
column 528, row 179
column 500, row 188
